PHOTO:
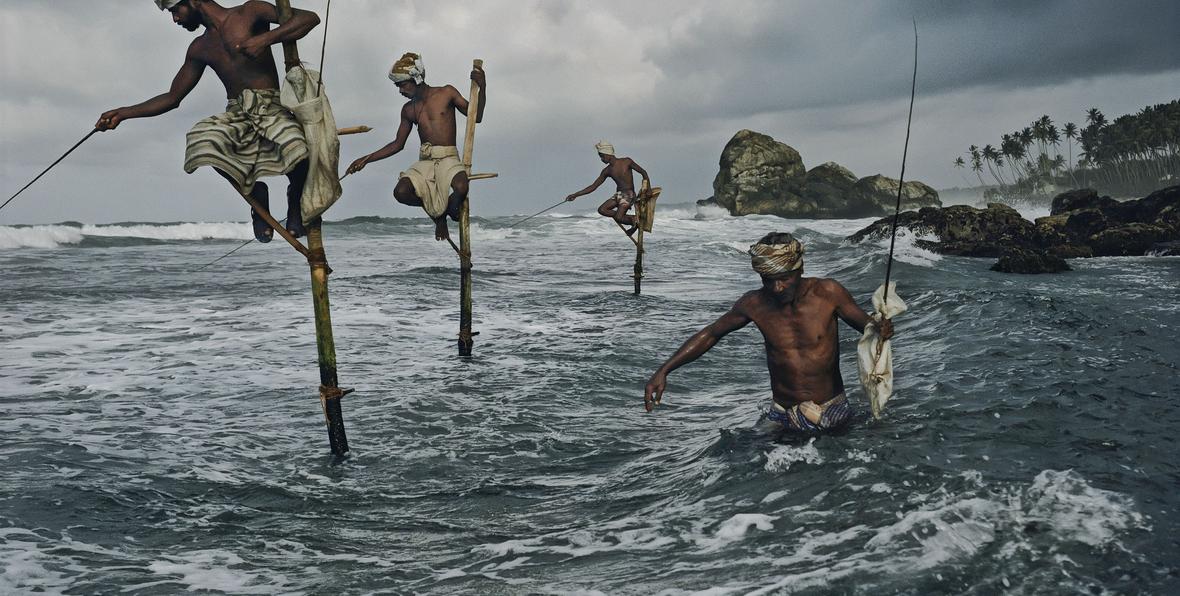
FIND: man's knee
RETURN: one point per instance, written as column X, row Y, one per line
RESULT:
column 404, row 191
column 460, row 185
column 606, row 211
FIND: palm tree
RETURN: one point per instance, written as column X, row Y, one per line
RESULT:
column 1071, row 133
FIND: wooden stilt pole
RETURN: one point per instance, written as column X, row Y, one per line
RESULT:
column 317, row 259
column 466, row 338
column 638, row 275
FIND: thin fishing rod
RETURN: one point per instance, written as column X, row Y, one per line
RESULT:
column 538, row 213
column 904, row 153
column 243, row 245
column 49, row 168
column 323, row 48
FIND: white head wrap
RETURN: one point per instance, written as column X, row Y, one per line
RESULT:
column 605, row 148
column 776, row 259
column 166, row 4
column 408, row 67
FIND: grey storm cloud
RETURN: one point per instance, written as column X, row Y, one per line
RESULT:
column 667, row 81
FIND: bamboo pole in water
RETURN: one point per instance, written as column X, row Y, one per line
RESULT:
column 638, row 274
column 466, row 340
column 317, row 259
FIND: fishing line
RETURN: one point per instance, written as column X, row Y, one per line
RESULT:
column 49, row 168
column 538, row 213
column 904, row 153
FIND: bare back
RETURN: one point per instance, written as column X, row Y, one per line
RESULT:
column 620, row 170
column 216, row 48
column 802, row 340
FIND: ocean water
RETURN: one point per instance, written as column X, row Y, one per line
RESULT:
column 160, row 431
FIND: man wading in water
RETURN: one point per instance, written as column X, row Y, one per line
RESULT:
column 797, row 317
column 618, row 169
column 438, row 171
column 256, row 136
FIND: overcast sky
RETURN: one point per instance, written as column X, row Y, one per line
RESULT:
column 667, row 81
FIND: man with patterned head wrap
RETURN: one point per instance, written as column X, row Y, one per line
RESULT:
column 620, row 170
column 256, row 136
column 797, row 317
column 437, row 182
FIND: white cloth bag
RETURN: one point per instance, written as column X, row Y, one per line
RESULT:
column 314, row 112
column 874, row 358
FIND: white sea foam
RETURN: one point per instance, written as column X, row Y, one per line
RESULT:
column 908, row 252
column 38, row 236
column 217, row 570
column 783, row 456
column 53, row 236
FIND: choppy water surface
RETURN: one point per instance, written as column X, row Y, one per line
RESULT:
column 161, row 434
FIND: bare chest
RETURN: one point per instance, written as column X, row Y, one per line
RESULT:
column 804, row 326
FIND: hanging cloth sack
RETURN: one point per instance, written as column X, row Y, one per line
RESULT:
column 874, row 358
column 313, row 111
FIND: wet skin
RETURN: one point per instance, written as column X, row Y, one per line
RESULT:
column 236, row 44
column 797, row 317
column 618, row 169
column 432, row 110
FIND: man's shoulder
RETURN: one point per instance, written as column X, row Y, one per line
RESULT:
column 826, row 287
column 751, row 299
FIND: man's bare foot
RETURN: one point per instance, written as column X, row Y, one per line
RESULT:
column 262, row 230
column 440, row 229
column 631, row 230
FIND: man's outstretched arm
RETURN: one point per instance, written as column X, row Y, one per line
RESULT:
column 589, row 189
column 692, row 349
column 399, row 143
column 299, row 25
column 182, row 84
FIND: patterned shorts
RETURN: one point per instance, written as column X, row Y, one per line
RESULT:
column 835, row 413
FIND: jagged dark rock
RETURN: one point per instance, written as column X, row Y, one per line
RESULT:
column 1020, row 260
column 1082, row 224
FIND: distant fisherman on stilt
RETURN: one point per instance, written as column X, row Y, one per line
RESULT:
column 619, row 170
column 256, row 136
column 797, row 317
column 438, row 181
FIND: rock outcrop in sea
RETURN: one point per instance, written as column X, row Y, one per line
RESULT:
column 1080, row 224
column 759, row 175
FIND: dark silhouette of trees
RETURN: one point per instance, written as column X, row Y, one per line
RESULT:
column 1132, row 155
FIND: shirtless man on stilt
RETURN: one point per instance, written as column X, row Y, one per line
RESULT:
column 437, row 182
column 618, row 169
column 256, row 136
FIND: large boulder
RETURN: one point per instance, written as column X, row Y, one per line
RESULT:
column 877, row 195
column 1129, row 240
column 759, row 175
column 1074, row 200
column 830, row 186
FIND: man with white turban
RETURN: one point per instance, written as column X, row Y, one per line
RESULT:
column 256, row 136
column 437, row 182
column 620, row 170
column 797, row 317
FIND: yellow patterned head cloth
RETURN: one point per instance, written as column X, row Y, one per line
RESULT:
column 605, row 148
column 408, row 67
column 782, row 257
